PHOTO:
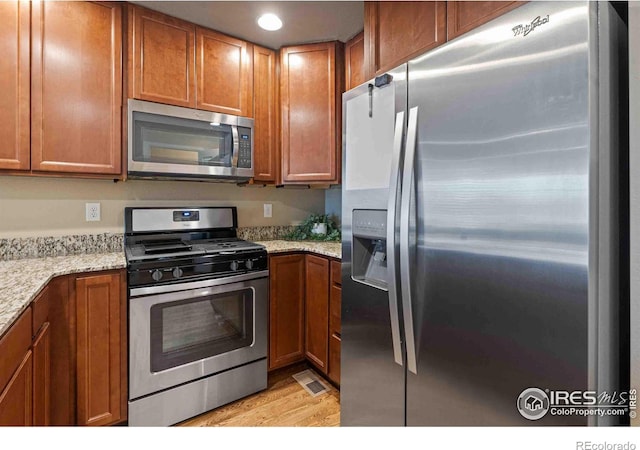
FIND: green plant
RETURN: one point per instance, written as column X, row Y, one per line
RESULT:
column 303, row 232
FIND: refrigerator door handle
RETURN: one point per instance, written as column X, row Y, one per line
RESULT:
column 405, row 211
column 392, row 282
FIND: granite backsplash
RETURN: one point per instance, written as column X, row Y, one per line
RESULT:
column 78, row 244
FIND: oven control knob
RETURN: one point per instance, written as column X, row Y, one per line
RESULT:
column 234, row 265
column 248, row 264
column 177, row 272
column 156, row 275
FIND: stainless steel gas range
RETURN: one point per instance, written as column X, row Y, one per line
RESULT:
column 198, row 310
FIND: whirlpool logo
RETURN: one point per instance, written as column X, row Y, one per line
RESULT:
column 524, row 29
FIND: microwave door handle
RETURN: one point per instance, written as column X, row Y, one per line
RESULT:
column 234, row 147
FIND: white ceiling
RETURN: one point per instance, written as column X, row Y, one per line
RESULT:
column 303, row 21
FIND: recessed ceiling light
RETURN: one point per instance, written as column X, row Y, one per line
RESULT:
column 269, row 22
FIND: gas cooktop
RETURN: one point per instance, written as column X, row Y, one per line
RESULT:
column 171, row 248
column 171, row 245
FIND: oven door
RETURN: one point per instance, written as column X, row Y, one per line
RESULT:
column 198, row 329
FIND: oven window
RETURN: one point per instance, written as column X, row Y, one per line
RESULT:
column 189, row 330
column 172, row 140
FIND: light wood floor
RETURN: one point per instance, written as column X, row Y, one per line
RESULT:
column 283, row 404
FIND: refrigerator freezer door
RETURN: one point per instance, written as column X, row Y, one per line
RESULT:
column 500, row 253
column 372, row 383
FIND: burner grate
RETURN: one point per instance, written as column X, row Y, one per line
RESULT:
column 166, row 246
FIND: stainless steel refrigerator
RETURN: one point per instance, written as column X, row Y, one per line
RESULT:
column 481, row 224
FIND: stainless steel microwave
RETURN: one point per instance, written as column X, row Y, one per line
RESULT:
column 182, row 143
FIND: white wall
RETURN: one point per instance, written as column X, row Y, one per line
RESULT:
column 34, row 206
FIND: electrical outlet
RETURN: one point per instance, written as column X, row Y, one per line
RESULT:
column 92, row 212
column 268, row 210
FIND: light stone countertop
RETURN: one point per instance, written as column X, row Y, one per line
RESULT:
column 22, row 280
column 331, row 249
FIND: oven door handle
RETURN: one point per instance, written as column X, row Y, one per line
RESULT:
column 166, row 288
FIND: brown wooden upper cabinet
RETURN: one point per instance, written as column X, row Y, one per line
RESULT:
column 354, row 74
column 311, row 86
column 464, row 16
column 395, row 32
column 178, row 63
column 76, row 87
column 265, row 109
column 224, row 73
column 161, row 58
column 61, row 78
column 14, row 82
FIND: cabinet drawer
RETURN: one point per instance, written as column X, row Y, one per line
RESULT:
column 13, row 346
column 336, row 272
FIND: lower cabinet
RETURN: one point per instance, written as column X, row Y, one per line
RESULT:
column 304, row 317
column 286, row 310
column 16, row 373
column 64, row 360
column 16, row 407
column 99, row 364
column 316, row 323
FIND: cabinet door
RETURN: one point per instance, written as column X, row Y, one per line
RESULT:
column 98, row 341
column 224, row 68
column 310, row 92
column 16, row 401
column 354, row 62
column 42, row 377
column 265, row 157
column 13, row 346
column 14, row 84
column 161, row 58
column 286, row 310
column 395, row 32
column 465, row 16
column 317, row 311
column 76, row 87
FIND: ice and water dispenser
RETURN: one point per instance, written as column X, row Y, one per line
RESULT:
column 369, row 265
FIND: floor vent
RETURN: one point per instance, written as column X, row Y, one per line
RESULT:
column 311, row 383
